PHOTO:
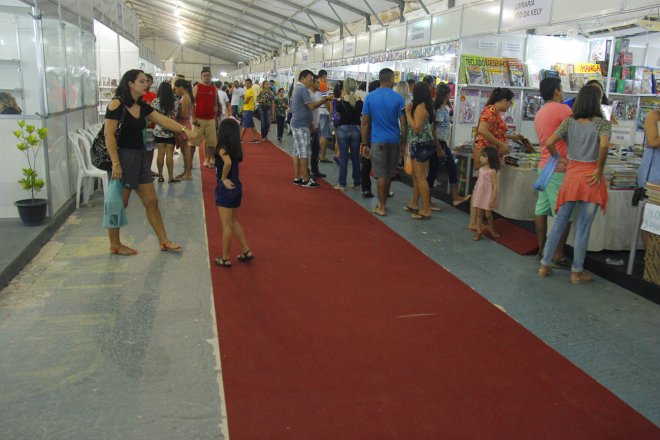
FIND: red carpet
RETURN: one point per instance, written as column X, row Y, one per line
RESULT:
column 340, row 329
column 519, row 240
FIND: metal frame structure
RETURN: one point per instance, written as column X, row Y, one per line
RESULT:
column 242, row 30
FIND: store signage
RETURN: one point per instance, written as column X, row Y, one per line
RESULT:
column 511, row 50
column 623, row 135
column 419, row 33
column 651, row 221
column 488, row 45
column 525, row 14
column 349, row 47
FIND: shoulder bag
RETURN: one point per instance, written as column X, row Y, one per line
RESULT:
column 545, row 176
column 99, row 151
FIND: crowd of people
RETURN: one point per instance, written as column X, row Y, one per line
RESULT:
column 378, row 131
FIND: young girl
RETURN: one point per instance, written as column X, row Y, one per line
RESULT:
column 229, row 191
column 484, row 196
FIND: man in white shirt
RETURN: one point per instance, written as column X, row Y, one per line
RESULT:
column 236, row 96
column 224, row 109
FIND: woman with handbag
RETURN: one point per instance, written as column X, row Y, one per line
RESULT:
column 587, row 134
column 421, row 146
column 125, row 118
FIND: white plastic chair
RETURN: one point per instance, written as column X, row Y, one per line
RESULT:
column 85, row 169
column 87, row 134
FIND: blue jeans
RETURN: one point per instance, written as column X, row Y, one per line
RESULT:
column 585, row 218
column 349, row 139
column 448, row 161
column 266, row 113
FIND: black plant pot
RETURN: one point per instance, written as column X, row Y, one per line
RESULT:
column 32, row 212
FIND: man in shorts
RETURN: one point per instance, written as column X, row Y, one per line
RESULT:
column 205, row 111
column 302, row 107
column 248, row 111
column 546, row 121
column 383, row 113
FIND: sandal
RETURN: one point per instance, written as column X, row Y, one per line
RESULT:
column 222, row 262
column 417, row 216
column 581, row 277
column 174, row 180
column 435, row 208
column 161, row 179
column 245, row 256
column 561, row 263
column 476, row 236
column 410, row 209
column 168, row 246
column 544, row 271
column 461, row 201
column 127, row 252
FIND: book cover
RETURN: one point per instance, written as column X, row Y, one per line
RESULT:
column 474, row 69
column 577, row 81
column 626, row 58
column 468, row 106
column 628, row 87
column 497, row 72
column 516, row 72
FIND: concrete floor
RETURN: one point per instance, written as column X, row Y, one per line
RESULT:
column 99, row 346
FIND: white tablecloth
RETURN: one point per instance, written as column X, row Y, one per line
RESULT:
column 517, row 198
column 612, row 231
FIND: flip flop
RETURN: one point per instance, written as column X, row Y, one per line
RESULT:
column 460, row 202
column 168, row 246
column 417, row 216
column 435, row 208
column 129, row 253
column 410, row 209
column 373, row 211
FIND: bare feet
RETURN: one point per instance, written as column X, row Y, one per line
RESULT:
column 123, row 250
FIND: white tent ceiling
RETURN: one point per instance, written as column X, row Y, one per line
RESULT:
column 240, row 30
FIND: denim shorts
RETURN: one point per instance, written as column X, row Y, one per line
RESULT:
column 421, row 152
column 248, row 119
column 325, row 127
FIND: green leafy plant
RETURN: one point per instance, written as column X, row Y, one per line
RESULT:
column 30, row 139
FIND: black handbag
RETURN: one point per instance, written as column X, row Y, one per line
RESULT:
column 99, row 151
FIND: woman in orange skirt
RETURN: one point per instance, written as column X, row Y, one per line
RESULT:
column 587, row 134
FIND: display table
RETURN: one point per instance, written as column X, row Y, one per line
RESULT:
column 516, row 195
column 612, row 231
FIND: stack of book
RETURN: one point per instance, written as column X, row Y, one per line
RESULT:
column 625, row 177
column 653, row 192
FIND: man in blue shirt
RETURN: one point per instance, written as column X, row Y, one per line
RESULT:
column 382, row 112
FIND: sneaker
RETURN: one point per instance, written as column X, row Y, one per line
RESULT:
column 298, row 181
column 367, row 195
column 310, row 184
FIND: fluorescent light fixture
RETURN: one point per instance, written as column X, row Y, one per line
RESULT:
column 223, row 74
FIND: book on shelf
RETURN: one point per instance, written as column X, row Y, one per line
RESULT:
column 516, row 72
column 532, row 75
column 497, row 72
column 577, row 80
column 474, row 69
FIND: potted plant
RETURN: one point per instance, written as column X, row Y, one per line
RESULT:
column 32, row 211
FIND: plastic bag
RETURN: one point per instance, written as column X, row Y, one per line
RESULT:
column 543, row 180
column 114, row 214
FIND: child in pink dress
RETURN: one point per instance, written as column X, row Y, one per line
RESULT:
column 484, row 196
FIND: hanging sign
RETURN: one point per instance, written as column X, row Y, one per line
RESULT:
column 488, row 44
column 651, row 221
column 305, row 56
column 525, row 14
column 418, row 33
column 511, row 50
column 349, row 47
